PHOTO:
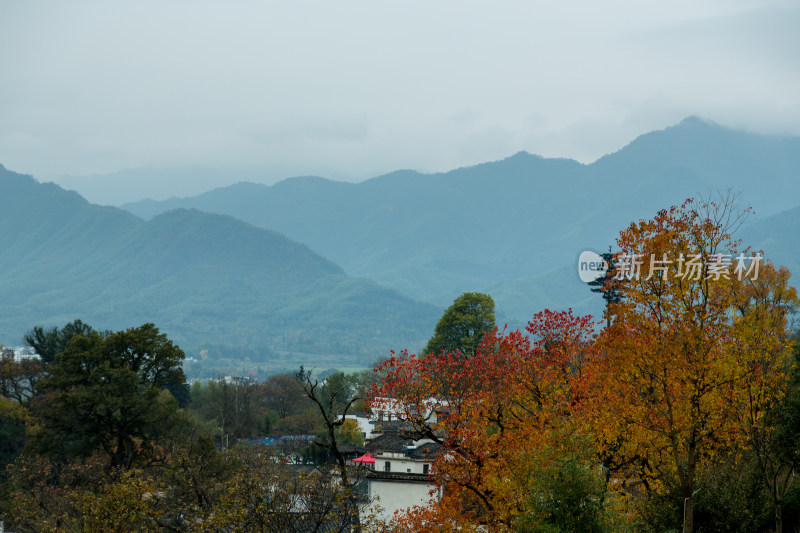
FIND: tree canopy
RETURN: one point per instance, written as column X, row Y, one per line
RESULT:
column 697, row 351
column 463, row 325
column 512, row 450
column 109, row 393
column 690, row 387
column 49, row 343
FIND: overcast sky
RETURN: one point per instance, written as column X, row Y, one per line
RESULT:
column 352, row 89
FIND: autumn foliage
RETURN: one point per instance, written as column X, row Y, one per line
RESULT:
column 696, row 357
column 690, row 385
column 504, row 416
column 686, row 349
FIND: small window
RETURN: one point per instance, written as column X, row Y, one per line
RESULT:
column 408, row 470
column 425, row 469
column 387, row 466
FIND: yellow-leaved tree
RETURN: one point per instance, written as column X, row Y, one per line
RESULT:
column 693, row 342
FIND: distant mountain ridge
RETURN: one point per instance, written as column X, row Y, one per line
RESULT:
column 250, row 270
column 211, row 281
column 509, row 227
column 779, row 236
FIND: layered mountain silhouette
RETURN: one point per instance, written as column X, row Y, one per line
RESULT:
column 212, row 282
column 311, row 267
column 513, row 228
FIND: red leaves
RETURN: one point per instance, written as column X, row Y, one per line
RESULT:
column 689, row 366
column 487, row 410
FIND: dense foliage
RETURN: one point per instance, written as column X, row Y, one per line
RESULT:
column 683, row 412
column 463, row 325
column 686, row 402
column 98, row 441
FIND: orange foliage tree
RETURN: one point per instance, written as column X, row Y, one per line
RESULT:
column 690, row 340
column 503, row 419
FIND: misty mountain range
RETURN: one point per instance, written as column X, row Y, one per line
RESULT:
column 313, row 266
column 211, row 282
column 515, row 227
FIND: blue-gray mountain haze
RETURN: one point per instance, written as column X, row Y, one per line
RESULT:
column 314, row 266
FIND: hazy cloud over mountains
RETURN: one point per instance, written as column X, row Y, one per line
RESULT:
column 350, row 90
column 335, row 269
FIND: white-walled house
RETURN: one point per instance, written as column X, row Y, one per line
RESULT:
column 390, row 492
column 399, row 478
column 391, row 410
column 21, row 352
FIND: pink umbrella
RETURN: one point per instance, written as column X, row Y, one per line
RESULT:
column 366, row 458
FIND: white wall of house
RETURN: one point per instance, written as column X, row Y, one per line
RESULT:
column 390, row 409
column 391, row 496
column 21, row 352
column 401, row 465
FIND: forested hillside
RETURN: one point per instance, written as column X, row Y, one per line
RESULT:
column 222, row 287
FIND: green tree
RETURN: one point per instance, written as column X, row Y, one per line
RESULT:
column 463, row 325
column 49, row 343
column 606, row 285
column 110, row 393
column 567, row 497
column 779, row 455
column 231, row 403
column 283, row 394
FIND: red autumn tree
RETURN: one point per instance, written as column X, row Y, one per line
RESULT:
column 503, row 418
